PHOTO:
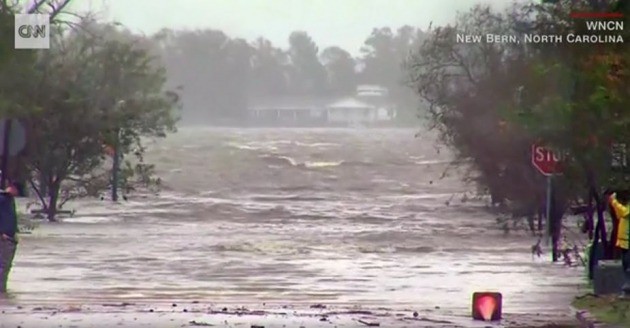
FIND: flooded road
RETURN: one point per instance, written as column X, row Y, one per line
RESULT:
column 344, row 217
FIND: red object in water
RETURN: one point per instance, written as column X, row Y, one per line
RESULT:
column 487, row 306
column 596, row 15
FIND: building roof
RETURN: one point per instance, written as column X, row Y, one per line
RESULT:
column 349, row 103
column 371, row 90
column 307, row 103
column 370, row 87
column 290, row 103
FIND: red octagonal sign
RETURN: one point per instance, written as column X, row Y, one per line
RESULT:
column 547, row 161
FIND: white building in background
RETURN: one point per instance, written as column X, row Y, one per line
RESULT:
column 369, row 106
column 373, row 91
column 377, row 96
column 352, row 112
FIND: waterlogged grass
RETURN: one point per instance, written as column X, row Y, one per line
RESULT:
column 607, row 309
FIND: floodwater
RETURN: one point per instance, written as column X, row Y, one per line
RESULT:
column 344, row 217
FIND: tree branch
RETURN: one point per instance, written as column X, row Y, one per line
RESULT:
column 38, row 192
column 36, row 6
column 58, row 9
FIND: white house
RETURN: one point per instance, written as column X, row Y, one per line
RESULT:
column 379, row 97
column 351, row 111
column 369, row 106
column 367, row 90
column 289, row 110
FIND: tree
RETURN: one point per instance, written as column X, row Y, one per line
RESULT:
column 268, row 71
column 238, row 54
column 309, row 75
column 523, row 93
column 16, row 69
column 466, row 87
column 340, row 66
column 82, row 78
column 6, row 30
column 384, row 57
column 586, row 114
column 462, row 83
column 213, row 71
column 382, row 65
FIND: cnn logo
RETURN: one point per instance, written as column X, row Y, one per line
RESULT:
column 32, row 31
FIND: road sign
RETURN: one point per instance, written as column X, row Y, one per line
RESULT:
column 17, row 137
column 547, row 161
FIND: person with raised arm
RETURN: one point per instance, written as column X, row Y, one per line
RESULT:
column 622, row 211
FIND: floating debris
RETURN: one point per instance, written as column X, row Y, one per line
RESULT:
column 200, row 323
column 369, row 323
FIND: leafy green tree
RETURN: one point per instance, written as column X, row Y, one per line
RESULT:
column 465, row 86
column 95, row 87
column 16, row 66
column 586, row 114
column 492, row 101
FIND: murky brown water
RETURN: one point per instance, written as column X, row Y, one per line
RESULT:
column 292, row 216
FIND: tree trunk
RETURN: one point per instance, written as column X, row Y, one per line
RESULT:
column 592, row 256
column 601, row 221
column 43, row 186
column 116, row 167
column 541, row 213
column 558, row 207
column 589, row 224
column 555, row 217
column 53, row 199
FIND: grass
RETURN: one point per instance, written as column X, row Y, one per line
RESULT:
column 607, row 309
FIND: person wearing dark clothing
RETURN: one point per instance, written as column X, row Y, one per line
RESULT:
column 8, row 234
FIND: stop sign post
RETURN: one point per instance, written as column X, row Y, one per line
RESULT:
column 549, row 163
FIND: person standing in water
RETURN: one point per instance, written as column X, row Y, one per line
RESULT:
column 8, row 234
column 622, row 211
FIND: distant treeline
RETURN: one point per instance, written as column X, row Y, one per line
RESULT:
column 220, row 76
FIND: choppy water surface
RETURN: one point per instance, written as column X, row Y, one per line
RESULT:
column 291, row 216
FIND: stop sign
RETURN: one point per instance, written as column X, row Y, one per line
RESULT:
column 547, row 161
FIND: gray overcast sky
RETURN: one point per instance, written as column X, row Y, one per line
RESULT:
column 345, row 23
